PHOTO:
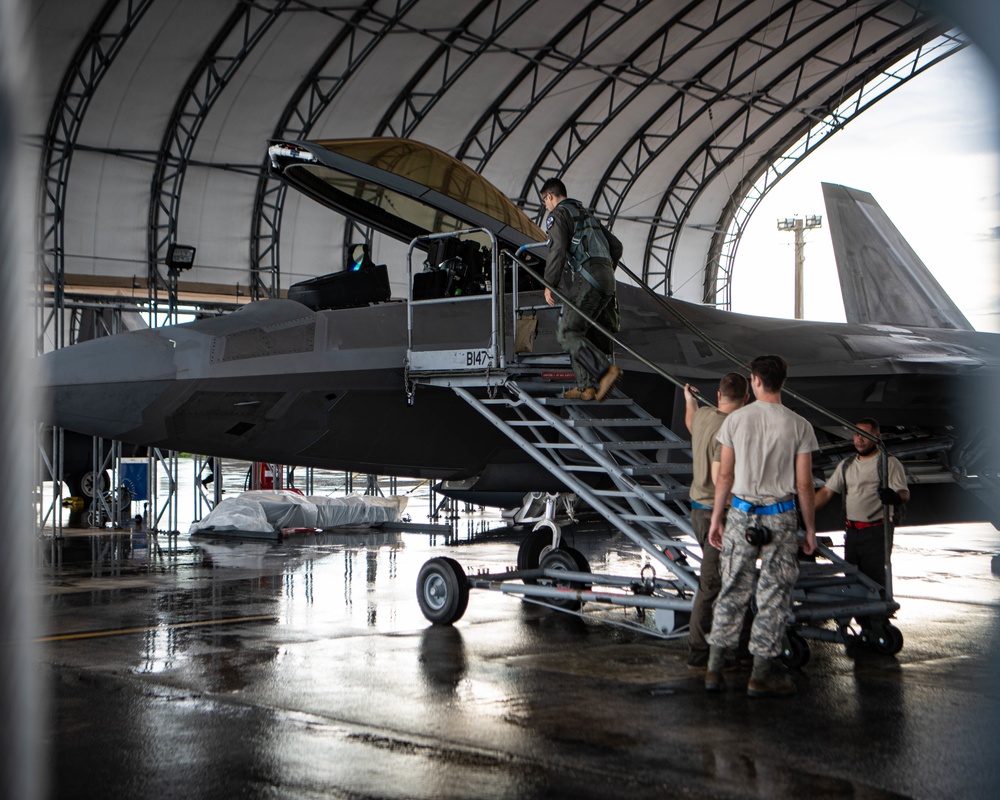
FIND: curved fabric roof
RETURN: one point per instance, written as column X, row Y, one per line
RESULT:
column 667, row 116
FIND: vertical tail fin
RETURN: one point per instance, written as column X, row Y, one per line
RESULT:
column 882, row 279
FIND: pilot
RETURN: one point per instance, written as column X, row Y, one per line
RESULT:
column 586, row 252
column 704, row 423
column 865, row 492
column 766, row 458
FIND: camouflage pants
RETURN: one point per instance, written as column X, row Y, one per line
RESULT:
column 779, row 569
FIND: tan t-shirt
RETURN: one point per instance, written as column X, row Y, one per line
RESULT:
column 705, row 448
column 863, row 484
column 766, row 438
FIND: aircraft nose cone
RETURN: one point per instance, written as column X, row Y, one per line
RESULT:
column 103, row 386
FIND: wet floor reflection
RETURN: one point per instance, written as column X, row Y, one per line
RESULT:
column 304, row 668
column 442, row 658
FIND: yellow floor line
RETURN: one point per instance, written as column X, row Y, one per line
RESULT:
column 63, row 637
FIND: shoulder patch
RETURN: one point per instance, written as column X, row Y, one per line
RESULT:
column 548, row 222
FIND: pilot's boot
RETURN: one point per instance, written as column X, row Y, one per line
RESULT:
column 714, row 681
column 765, row 682
column 607, row 382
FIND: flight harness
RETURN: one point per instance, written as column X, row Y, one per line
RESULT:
column 588, row 241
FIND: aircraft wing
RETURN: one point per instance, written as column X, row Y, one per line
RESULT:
column 882, row 279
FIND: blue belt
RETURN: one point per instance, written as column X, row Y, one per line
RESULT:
column 699, row 505
column 776, row 508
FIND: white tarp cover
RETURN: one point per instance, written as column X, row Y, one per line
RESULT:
column 273, row 510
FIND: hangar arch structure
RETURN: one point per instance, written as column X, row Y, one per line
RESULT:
column 671, row 118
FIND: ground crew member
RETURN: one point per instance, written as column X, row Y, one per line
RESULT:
column 704, row 422
column 584, row 251
column 865, row 493
column 766, row 459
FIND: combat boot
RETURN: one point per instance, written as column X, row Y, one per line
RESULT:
column 714, row 681
column 765, row 682
column 607, row 382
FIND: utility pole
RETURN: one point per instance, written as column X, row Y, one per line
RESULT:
column 798, row 225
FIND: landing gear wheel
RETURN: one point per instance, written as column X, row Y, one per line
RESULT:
column 442, row 590
column 888, row 641
column 88, row 481
column 529, row 554
column 566, row 559
column 794, row 650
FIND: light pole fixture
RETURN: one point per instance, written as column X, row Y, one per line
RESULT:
column 797, row 225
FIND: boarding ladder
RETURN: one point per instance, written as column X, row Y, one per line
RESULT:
column 575, row 440
column 623, row 462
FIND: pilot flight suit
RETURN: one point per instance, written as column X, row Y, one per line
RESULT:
column 582, row 244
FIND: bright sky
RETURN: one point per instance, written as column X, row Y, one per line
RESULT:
column 930, row 155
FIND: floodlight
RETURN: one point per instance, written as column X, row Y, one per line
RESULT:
column 180, row 256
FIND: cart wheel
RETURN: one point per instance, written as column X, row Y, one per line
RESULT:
column 92, row 479
column 889, row 641
column 442, row 590
column 794, row 650
column 568, row 560
column 529, row 554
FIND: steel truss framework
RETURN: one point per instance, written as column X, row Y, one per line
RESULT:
column 770, row 170
column 661, row 50
column 114, row 23
column 116, row 20
column 323, row 81
column 566, row 51
column 241, row 31
column 734, row 134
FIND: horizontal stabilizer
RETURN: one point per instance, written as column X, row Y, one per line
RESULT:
column 882, row 279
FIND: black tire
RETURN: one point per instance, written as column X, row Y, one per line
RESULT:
column 794, row 650
column 569, row 560
column 889, row 641
column 529, row 553
column 442, row 590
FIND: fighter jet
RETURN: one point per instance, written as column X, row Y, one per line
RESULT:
column 325, row 382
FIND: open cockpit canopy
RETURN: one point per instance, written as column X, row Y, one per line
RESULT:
column 400, row 187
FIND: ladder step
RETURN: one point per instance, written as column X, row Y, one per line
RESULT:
column 619, row 422
column 659, row 494
column 562, row 401
column 657, row 469
column 647, row 518
column 555, row 446
column 658, row 445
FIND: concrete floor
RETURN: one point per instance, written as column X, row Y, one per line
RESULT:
column 203, row 669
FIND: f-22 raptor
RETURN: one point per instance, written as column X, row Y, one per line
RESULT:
column 323, row 382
